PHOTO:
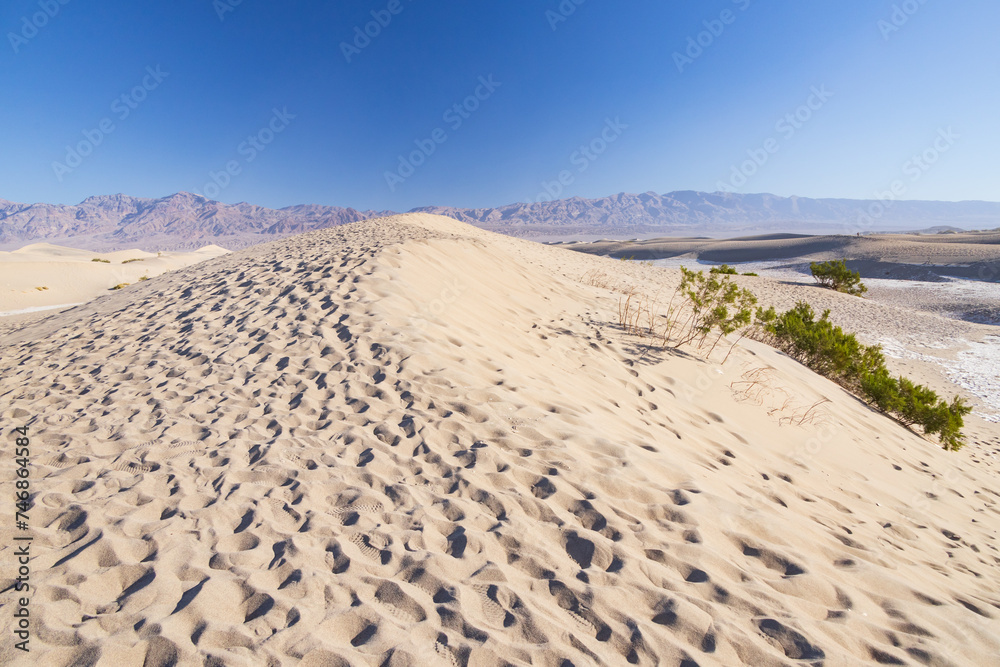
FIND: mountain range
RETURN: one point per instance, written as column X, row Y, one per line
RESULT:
column 185, row 221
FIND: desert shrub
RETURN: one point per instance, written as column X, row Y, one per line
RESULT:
column 828, row 350
column 725, row 270
column 711, row 303
column 128, row 261
column 819, row 344
column 102, row 261
column 716, row 304
column 881, row 390
column 947, row 420
column 916, row 404
column 699, row 307
column 41, row 289
column 120, row 286
column 750, row 273
column 141, row 278
column 836, row 275
column 921, row 405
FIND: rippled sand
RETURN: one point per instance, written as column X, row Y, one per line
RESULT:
column 409, row 442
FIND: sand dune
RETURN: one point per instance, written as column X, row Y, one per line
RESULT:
column 973, row 255
column 409, row 442
column 42, row 275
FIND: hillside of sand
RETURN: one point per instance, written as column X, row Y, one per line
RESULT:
column 42, row 276
column 409, row 442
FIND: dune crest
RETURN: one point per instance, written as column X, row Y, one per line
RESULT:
column 407, row 441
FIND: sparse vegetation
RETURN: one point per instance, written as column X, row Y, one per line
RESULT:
column 724, row 270
column 596, row 278
column 808, row 415
column 141, row 278
column 120, row 286
column 831, row 352
column 820, row 345
column 704, row 309
column 41, row 289
column 699, row 307
column 750, row 273
column 631, row 258
column 102, row 261
column 757, row 385
column 129, row 261
column 916, row 404
column 837, row 276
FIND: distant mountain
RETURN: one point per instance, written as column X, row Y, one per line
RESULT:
column 186, row 221
column 178, row 222
column 688, row 212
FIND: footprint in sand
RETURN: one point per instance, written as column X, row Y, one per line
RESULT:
column 367, row 546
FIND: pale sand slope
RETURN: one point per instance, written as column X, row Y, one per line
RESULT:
column 43, row 275
column 409, row 442
column 921, row 345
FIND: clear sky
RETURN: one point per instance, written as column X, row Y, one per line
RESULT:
column 280, row 103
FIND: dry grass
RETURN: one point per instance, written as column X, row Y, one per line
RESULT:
column 675, row 325
column 757, row 386
column 603, row 280
column 809, row 415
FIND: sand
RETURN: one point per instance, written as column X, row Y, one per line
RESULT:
column 410, row 442
column 42, row 276
column 941, row 333
column 952, row 249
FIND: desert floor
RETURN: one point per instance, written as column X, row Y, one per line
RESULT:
column 948, row 252
column 407, row 441
column 42, row 276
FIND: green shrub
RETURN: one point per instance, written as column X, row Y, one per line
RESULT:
column 836, row 275
column 750, row 273
column 828, row 350
column 128, row 261
column 725, row 269
column 699, row 307
column 915, row 404
column 714, row 303
column 947, row 420
column 120, row 286
column 102, row 261
column 141, row 278
column 881, row 390
column 819, row 344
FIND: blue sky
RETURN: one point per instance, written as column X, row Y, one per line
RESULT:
column 285, row 103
